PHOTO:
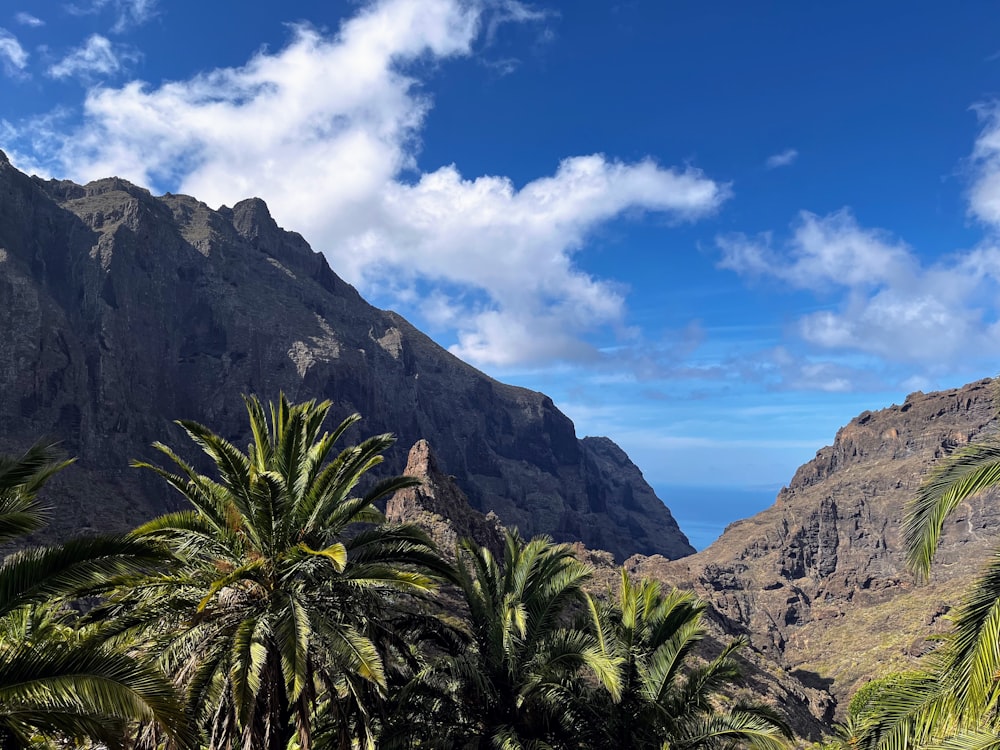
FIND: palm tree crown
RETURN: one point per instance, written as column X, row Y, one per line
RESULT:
column 665, row 698
column 512, row 676
column 52, row 682
column 285, row 569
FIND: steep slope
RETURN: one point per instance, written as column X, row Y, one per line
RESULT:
column 120, row 312
column 818, row 580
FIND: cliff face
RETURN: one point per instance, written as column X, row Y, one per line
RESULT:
column 121, row 312
column 818, row 581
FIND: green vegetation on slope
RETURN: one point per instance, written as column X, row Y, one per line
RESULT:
column 281, row 611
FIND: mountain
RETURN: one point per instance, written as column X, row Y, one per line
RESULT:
column 818, row 581
column 121, row 312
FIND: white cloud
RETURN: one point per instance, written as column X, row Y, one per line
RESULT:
column 135, row 12
column 12, row 55
column 782, row 369
column 26, row 19
column 512, row 11
column 95, row 57
column 889, row 303
column 783, row 159
column 325, row 128
column 517, row 245
column 823, row 253
column 127, row 13
column 984, row 194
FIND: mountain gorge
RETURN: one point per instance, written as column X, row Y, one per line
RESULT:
column 818, row 581
column 122, row 312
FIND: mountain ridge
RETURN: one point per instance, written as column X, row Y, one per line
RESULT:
column 818, row 580
column 124, row 311
column 127, row 311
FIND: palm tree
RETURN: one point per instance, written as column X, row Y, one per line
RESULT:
column 900, row 711
column 953, row 701
column 51, row 682
column 285, row 570
column 971, row 658
column 511, row 675
column 665, row 699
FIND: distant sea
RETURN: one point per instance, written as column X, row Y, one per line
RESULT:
column 704, row 512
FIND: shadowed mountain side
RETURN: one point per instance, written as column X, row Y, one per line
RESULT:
column 818, row 581
column 122, row 312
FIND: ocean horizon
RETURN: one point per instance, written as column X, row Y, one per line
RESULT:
column 703, row 512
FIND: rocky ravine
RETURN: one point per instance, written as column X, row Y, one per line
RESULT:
column 818, row 581
column 120, row 312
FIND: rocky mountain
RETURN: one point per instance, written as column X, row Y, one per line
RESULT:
column 818, row 581
column 121, row 311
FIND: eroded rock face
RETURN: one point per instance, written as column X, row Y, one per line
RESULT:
column 439, row 506
column 818, row 581
column 120, row 312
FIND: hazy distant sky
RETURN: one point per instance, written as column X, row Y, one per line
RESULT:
column 713, row 231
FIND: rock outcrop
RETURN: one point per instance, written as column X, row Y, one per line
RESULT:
column 121, row 311
column 818, row 581
column 439, row 506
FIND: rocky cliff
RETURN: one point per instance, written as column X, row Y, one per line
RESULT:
column 121, row 311
column 818, row 581
column 440, row 507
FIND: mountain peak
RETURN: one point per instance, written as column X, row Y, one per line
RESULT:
column 133, row 311
column 252, row 219
column 439, row 506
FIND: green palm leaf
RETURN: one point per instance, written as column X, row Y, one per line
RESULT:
column 79, row 567
column 273, row 612
column 956, row 479
column 52, row 681
column 20, row 479
column 754, row 727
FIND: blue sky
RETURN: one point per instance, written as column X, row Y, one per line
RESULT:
column 713, row 231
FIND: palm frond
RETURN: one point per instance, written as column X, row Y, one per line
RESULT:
column 757, row 729
column 77, row 568
column 89, row 683
column 20, row 479
column 957, row 478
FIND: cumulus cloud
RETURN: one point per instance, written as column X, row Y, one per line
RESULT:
column 326, row 130
column 26, row 19
column 13, row 56
column 784, row 159
column 888, row 303
column 95, row 57
column 518, row 245
column 823, row 252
